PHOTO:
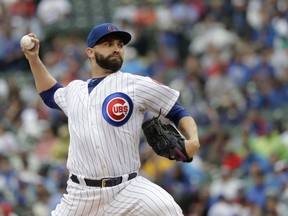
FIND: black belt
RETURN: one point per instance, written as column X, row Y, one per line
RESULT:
column 104, row 182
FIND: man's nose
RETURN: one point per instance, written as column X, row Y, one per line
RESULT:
column 116, row 48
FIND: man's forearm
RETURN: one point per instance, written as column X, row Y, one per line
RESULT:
column 188, row 128
column 43, row 80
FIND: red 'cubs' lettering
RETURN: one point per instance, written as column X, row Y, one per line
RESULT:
column 120, row 109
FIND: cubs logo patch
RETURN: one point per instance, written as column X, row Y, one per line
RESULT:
column 112, row 28
column 117, row 109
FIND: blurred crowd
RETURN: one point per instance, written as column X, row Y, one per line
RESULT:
column 229, row 60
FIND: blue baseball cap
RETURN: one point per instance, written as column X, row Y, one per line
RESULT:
column 105, row 29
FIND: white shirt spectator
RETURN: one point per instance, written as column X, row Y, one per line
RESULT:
column 226, row 186
column 222, row 208
column 52, row 11
column 8, row 142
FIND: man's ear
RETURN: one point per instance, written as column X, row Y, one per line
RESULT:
column 89, row 52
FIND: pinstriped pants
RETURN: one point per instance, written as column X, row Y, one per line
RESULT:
column 138, row 196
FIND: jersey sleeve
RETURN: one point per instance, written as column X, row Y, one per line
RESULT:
column 154, row 96
column 61, row 99
column 48, row 96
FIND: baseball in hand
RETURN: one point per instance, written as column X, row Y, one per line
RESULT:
column 26, row 42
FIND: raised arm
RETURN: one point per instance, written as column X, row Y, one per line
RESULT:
column 43, row 79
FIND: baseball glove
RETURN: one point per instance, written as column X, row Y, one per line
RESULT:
column 165, row 140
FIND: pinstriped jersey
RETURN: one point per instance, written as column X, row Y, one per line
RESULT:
column 105, row 124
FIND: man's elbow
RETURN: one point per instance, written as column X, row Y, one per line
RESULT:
column 192, row 148
column 196, row 147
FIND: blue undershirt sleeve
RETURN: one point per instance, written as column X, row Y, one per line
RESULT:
column 48, row 96
column 176, row 113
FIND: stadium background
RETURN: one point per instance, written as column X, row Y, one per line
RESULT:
column 229, row 59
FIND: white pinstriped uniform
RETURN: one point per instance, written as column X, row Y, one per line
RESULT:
column 105, row 128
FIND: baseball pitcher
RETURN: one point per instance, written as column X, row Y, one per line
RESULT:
column 105, row 118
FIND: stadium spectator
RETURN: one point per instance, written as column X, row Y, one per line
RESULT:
column 53, row 11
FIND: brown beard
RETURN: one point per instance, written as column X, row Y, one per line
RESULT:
column 111, row 62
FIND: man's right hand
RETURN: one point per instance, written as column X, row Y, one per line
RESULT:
column 34, row 52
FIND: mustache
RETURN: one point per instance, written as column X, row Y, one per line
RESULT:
column 115, row 55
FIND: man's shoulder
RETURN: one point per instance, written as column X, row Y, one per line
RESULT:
column 132, row 76
column 77, row 82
